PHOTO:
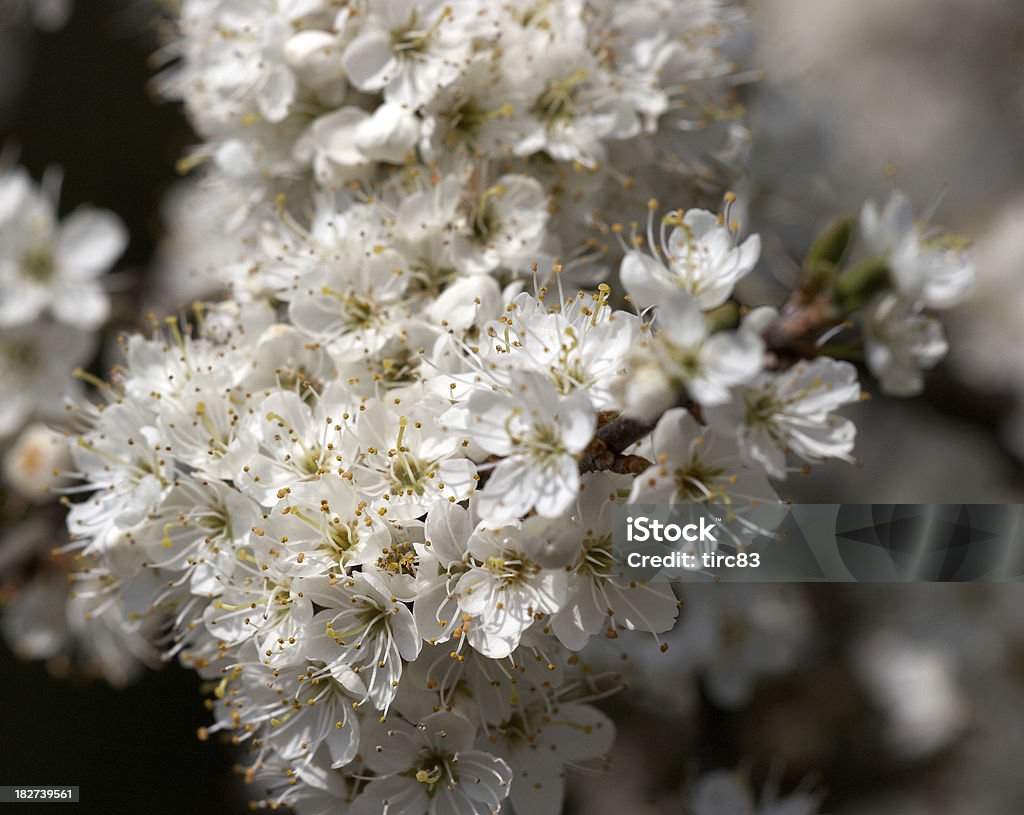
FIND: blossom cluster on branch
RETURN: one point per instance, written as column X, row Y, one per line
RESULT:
column 368, row 495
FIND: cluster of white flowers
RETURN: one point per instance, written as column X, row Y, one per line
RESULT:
column 369, row 496
column 374, row 504
column 314, row 530
column 589, row 100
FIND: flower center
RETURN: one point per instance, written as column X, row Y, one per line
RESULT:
column 760, row 408
column 544, row 444
column 469, row 118
column 558, row 101
column 430, row 776
column 596, row 560
column 37, row 264
column 20, row 357
column 293, row 377
column 399, row 558
column 408, row 474
column 694, row 480
column 339, row 536
column 433, row 768
column 358, row 313
column 510, row 567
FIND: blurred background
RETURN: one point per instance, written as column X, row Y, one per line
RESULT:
column 875, row 700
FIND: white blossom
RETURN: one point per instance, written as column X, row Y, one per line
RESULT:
column 724, row 792
column 792, row 411
column 927, row 267
column 432, row 768
column 738, row 635
column 599, row 599
column 901, row 343
column 694, row 463
column 36, row 363
column 35, row 463
column 50, row 266
column 681, row 352
column 409, row 50
column 538, row 742
column 701, row 256
column 538, row 433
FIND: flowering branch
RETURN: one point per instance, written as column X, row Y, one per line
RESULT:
column 310, row 511
column 791, row 336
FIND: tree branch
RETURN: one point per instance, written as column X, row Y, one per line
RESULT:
column 605, row 450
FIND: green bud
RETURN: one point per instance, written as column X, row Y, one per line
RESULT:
column 827, row 252
column 860, row 283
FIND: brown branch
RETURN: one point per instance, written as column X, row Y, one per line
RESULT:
column 605, row 450
column 801, row 321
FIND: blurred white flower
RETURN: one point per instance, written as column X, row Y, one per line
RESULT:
column 36, row 363
column 723, row 792
column 916, row 687
column 51, row 266
column 928, row 268
column 36, row 462
column 734, row 634
column 901, row 343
